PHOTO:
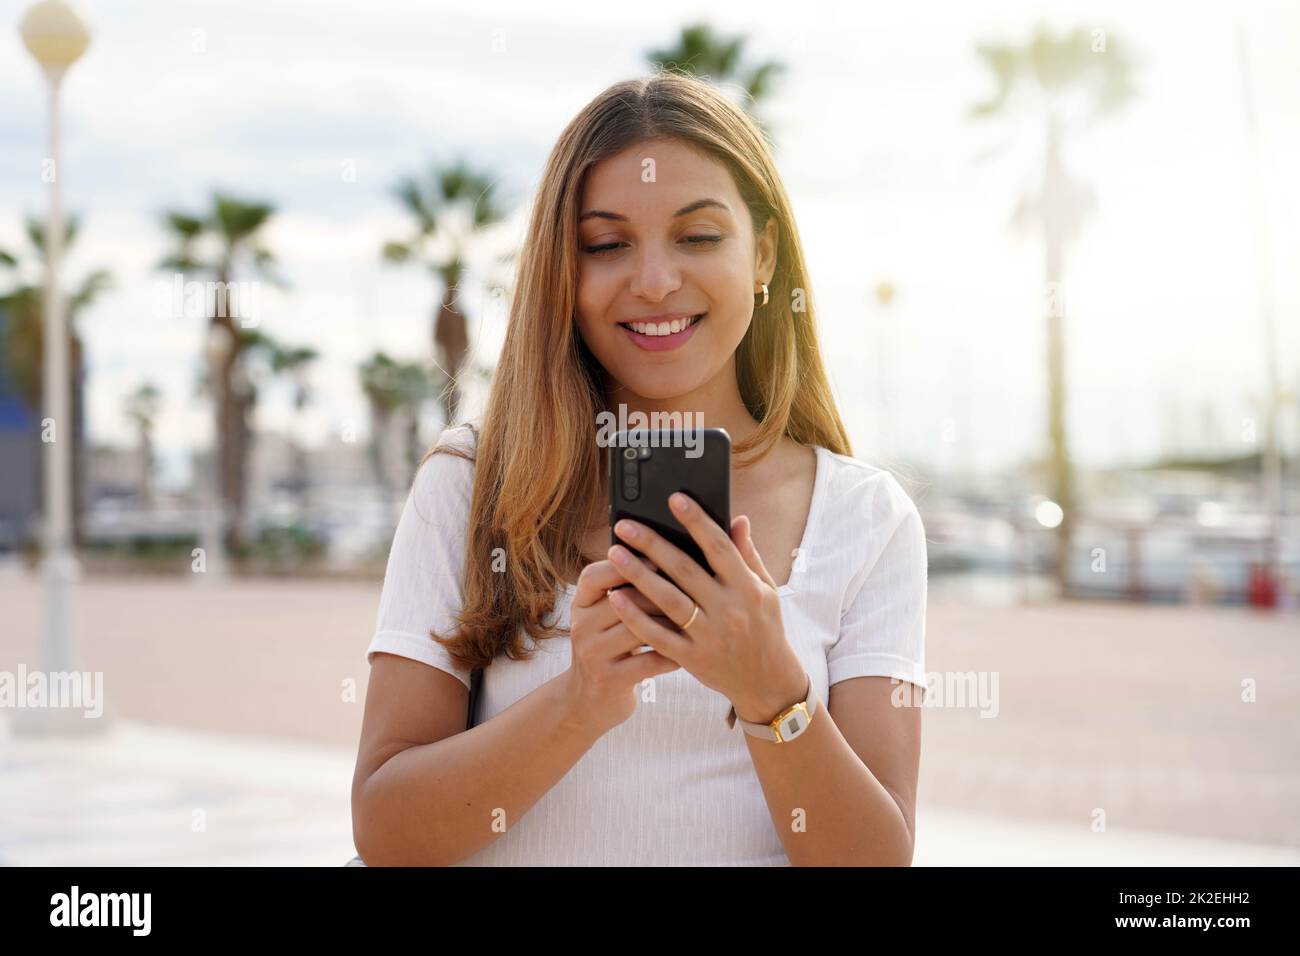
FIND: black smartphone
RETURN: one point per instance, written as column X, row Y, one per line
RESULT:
column 647, row 465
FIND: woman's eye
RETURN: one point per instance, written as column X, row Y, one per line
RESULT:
column 607, row 247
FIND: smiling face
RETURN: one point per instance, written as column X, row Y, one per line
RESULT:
column 655, row 256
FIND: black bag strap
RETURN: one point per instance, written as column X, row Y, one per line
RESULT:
column 476, row 675
column 475, row 686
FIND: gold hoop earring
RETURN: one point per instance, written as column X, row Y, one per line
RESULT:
column 758, row 304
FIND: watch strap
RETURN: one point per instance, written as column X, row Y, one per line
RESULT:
column 768, row 731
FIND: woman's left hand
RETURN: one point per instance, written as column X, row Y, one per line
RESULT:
column 736, row 644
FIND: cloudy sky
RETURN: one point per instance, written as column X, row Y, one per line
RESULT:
column 889, row 177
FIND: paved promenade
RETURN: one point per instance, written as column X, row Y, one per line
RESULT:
column 231, row 732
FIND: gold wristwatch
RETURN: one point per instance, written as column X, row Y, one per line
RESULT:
column 786, row 726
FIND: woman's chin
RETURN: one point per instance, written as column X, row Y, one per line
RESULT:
column 662, row 386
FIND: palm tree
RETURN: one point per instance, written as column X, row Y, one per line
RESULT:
column 415, row 384
column 233, row 230
column 25, row 335
column 142, row 408
column 448, row 208
column 379, row 375
column 393, row 387
column 701, row 52
column 1072, row 80
column 293, row 361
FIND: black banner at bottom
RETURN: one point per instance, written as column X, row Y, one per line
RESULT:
column 336, row 905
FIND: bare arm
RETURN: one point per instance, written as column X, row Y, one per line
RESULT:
column 849, row 780
column 426, row 791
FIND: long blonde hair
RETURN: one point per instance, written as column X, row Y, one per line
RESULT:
column 538, row 470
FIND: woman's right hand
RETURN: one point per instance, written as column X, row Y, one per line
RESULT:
column 603, row 673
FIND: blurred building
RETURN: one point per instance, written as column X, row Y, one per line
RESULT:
column 20, row 459
column 115, row 473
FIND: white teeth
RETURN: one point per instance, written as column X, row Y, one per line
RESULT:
column 662, row 328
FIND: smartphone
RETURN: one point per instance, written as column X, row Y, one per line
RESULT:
column 647, row 465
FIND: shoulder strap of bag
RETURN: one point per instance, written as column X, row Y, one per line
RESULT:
column 475, row 685
column 476, row 675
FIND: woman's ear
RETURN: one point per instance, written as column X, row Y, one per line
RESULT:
column 765, row 251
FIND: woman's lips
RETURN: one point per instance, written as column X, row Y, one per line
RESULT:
column 661, row 343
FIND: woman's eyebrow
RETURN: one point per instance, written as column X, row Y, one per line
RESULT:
column 684, row 211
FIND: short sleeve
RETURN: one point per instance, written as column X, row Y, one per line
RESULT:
column 882, row 629
column 424, row 582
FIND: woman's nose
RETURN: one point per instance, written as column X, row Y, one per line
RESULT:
column 655, row 275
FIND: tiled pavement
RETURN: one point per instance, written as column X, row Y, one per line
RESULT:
column 130, row 798
column 948, row 837
column 227, row 700
column 144, row 795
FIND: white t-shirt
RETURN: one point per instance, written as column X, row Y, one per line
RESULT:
column 672, row 785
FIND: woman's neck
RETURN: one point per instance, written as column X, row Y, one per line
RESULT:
column 716, row 404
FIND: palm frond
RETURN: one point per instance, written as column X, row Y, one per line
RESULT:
column 457, row 181
column 410, row 195
column 98, row 281
column 237, row 219
column 186, row 227
column 486, row 210
column 1004, row 61
column 264, row 262
column 180, row 262
column 396, row 251
column 760, row 81
column 286, row 358
column 35, row 229
column 1059, row 64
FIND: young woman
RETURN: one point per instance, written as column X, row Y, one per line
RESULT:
column 773, row 722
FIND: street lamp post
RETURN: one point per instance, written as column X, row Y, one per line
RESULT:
column 56, row 36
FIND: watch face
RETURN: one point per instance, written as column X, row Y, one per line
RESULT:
column 793, row 725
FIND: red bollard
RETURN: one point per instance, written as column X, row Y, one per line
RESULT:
column 1262, row 590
